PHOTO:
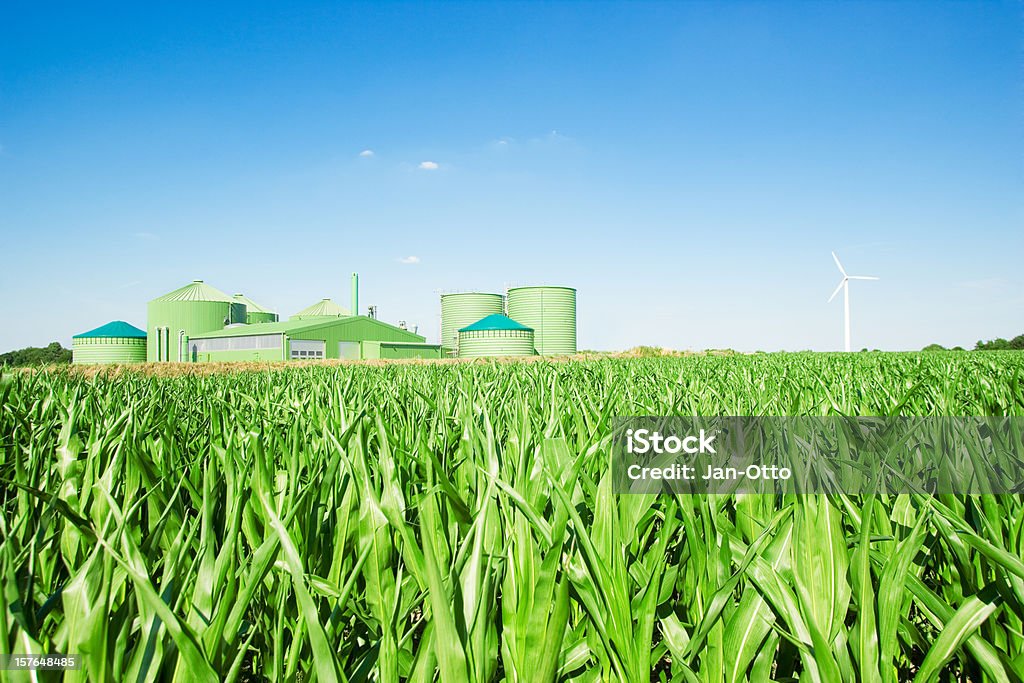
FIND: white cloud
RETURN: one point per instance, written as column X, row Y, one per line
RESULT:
column 366, row 153
column 429, row 165
column 409, row 260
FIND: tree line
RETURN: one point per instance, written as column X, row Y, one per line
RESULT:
column 54, row 353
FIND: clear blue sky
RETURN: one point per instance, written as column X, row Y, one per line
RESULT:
column 688, row 167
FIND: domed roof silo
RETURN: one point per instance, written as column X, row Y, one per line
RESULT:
column 495, row 335
column 115, row 342
column 551, row 312
column 193, row 309
column 464, row 308
column 254, row 313
column 325, row 308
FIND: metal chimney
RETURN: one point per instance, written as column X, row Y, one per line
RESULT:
column 355, row 293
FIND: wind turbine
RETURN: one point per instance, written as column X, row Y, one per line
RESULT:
column 844, row 285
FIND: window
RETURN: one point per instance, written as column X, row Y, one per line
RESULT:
column 247, row 343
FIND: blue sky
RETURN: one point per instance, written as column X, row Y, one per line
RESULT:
column 687, row 167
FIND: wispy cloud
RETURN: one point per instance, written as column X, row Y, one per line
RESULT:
column 147, row 236
column 409, row 260
column 367, row 153
column 554, row 136
column 429, row 165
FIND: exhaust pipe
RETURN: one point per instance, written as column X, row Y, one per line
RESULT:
column 355, row 293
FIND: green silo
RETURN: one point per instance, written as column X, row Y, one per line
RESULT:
column 192, row 309
column 325, row 308
column 254, row 313
column 551, row 312
column 495, row 335
column 115, row 342
column 464, row 308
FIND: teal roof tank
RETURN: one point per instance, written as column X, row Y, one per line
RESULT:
column 551, row 312
column 115, row 342
column 464, row 308
column 193, row 309
column 117, row 328
column 495, row 321
column 254, row 313
column 495, row 341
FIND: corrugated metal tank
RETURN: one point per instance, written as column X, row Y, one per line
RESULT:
column 478, row 343
column 192, row 309
column 103, row 350
column 325, row 308
column 459, row 310
column 255, row 317
column 254, row 313
column 551, row 312
column 115, row 342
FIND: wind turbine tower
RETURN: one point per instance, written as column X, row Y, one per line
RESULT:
column 844, row 285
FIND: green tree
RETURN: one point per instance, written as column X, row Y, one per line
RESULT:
column 1000, row 344
column 54, row 353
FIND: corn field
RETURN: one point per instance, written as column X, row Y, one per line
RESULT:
column 456, row 522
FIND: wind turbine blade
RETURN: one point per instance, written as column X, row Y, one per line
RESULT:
column 838, row 289
column 838, row 264
column 863, row 277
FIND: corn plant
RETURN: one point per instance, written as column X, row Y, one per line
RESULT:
column 457, row 522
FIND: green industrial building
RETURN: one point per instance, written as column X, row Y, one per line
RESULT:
column 115, row 342
column 383, row 350
column 315, row 338
column 200, row 323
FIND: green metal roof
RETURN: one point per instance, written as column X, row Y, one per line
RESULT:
column 286, row 327
column 197, row 290
column 250, row 305
column 495, row 322
column 117, row 328
column 324, row 308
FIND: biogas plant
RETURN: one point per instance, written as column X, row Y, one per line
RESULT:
column 198, row 323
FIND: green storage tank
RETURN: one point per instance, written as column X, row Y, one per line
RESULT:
column 115, row 342
column 495, row 335
column 464, row 308
column 192, row 309
column 325, row 308
column 254, row 313
column 551, row 312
